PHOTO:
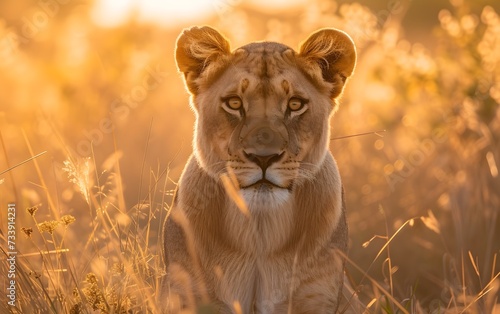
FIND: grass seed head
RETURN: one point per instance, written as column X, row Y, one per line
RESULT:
column 32, row 210
column 94, row 294
column 77, row 308
column 79, row 174
column 27, row 231
column 67, row 219
column 48, row 226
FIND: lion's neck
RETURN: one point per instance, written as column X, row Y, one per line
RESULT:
column 264, row 229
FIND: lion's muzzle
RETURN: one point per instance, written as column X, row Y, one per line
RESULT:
column 263, row 142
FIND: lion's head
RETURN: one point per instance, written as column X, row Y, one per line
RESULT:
column 263, row 109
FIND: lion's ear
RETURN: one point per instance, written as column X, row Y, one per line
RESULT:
column 334, row 52
column 197, row 48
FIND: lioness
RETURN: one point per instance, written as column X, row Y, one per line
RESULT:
column 258, row 218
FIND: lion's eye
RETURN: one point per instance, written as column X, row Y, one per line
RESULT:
column 296, row 104
column 234, row 103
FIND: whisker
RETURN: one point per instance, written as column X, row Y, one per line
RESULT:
column 307, row 170
column 306, row 174
column 378, row 133
column 309, row 166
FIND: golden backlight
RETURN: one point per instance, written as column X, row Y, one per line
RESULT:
column 110, row 13
column 96, row 127
column 168, row 13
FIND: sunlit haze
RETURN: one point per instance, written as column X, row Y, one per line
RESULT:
column 168, row 13
column 98, row 117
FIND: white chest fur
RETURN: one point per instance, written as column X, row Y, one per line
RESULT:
column 260, row 284
column 261, row 274
column 266, row 226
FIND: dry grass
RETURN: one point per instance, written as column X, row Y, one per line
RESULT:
column 115, row 269
column 423, row 200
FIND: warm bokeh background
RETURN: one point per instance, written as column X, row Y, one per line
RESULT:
column 75, row 72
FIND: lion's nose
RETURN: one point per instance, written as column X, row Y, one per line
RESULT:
column 262, row 140
column 264, row 161
column 263, row 143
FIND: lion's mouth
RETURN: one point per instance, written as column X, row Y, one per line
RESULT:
column 263, row 184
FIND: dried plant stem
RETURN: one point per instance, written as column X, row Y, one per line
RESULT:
column 52, row 205
column 375, row 283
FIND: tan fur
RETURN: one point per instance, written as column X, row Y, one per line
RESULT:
column 279, row 252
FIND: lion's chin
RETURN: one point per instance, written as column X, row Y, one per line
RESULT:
column 265, row 196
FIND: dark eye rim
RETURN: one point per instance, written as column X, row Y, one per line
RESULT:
column 302, row 100
column 226, row 99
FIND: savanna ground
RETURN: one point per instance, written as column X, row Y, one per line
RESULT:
column 101, row 117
